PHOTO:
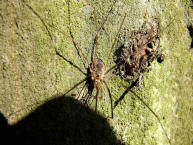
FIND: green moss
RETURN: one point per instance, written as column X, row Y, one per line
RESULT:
column 39, row 74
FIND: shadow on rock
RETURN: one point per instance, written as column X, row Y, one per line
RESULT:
column 62, row 121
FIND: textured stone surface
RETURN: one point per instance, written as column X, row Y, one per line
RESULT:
column 32, row 73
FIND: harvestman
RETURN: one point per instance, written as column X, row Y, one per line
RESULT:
column 96, row 71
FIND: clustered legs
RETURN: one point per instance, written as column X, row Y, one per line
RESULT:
column 95, row 78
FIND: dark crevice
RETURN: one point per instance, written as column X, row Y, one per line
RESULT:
column 190, row 29
column 150, row 45
column 160, row 59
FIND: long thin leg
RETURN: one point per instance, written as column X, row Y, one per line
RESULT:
column 51, row 38
column 97, row 32
column 101, row 92
column 76, row 85
column 87, row 99
column 84, row 97
column 114, row 42
column 79, row 50
column 110, row 98
column 152, row 113
column 41, row 19
column 90, row 89
column 116, row 37
column 129, row 89
column 81, row 92
column 113, row 67
column 108, row 13
column 96, row 97
column 70, row 62
column 110, row 77
column 99, row 29
column 125, row 92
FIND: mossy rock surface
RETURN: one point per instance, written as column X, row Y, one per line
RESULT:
column 32, row 74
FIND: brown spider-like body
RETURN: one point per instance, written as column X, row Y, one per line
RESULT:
column 97, row 78
column 97, row 70
column 94, row 80
column 137, row 59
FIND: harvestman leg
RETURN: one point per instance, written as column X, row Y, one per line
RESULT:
column 101, row 91
column 81, row 91
column 76, row 85
column 51, row 38
column 97, row 31
column 116, row 37
column 125, row 92
column 95, row 50
column 101, row 26
column 156, row 116
column 79, row 50
column 96, row 97
column 114, row 42
column 110, row 96
column 139, row 98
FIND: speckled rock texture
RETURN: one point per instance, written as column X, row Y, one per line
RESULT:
column 32, row 74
